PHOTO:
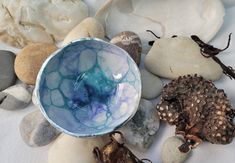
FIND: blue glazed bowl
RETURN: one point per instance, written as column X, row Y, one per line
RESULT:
column 88, row 88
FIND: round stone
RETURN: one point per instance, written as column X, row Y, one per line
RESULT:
column 36, row 131
column 16, row 97
column 151, row 85
column 179, row 56
column 130, row 42
column 170, row 152
column 68, row 149
column 7, row 73
column 30, row 59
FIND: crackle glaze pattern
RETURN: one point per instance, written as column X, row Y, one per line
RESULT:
column 88, row 88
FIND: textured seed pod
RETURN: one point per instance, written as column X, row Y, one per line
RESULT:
column 200, row 111
column 130, row 42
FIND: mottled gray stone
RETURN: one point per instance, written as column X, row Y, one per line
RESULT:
column 170, row 152
column 36, row 131
column 141, row 130
column 7, row 73
column 16, row 97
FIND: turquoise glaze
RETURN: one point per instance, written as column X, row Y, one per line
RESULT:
column 88, row 88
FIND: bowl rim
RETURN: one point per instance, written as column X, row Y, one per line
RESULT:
column 38, row 101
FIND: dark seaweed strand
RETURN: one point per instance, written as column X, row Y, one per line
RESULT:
column 153, row 33
column 208, row 51
column 152, row 42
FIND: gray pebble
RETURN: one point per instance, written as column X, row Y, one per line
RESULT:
column 170, row 151
column 7, row 72
column 16, row 97
column 36, row 131
column 151, row 85
column 141, row 130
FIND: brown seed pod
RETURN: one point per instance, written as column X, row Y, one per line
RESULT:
column 200, row 111
column 130, row 42
column 116, row 152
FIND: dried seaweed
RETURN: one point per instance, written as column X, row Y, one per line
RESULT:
column 208, row 51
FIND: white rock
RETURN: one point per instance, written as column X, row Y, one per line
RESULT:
column 151, row 85
column 68, row 149
column 141, row 130
column 170, row 152
column 89, row 27
column 16, row 97
column 174, row 57
column 26, row 21
column 165, row 18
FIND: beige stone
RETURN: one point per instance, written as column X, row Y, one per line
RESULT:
column 68, row 149
column 174, row 57
column 30, row 59
column 89, row 27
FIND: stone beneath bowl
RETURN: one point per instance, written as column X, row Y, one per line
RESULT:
column 88, row 88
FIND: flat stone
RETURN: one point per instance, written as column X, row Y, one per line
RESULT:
column 170, row 152
column 7, row 73
column 141, row 130
column 16, row 97
column 151, row 85
column 68, row 149
column 174, row 57
column 36, row 131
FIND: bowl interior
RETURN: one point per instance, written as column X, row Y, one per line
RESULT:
column 88, row 88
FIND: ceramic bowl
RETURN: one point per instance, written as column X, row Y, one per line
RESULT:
column 88, row 88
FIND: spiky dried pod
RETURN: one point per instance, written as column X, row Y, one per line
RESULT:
column 200, row 111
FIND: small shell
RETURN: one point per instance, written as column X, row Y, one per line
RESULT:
column 130, row 42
